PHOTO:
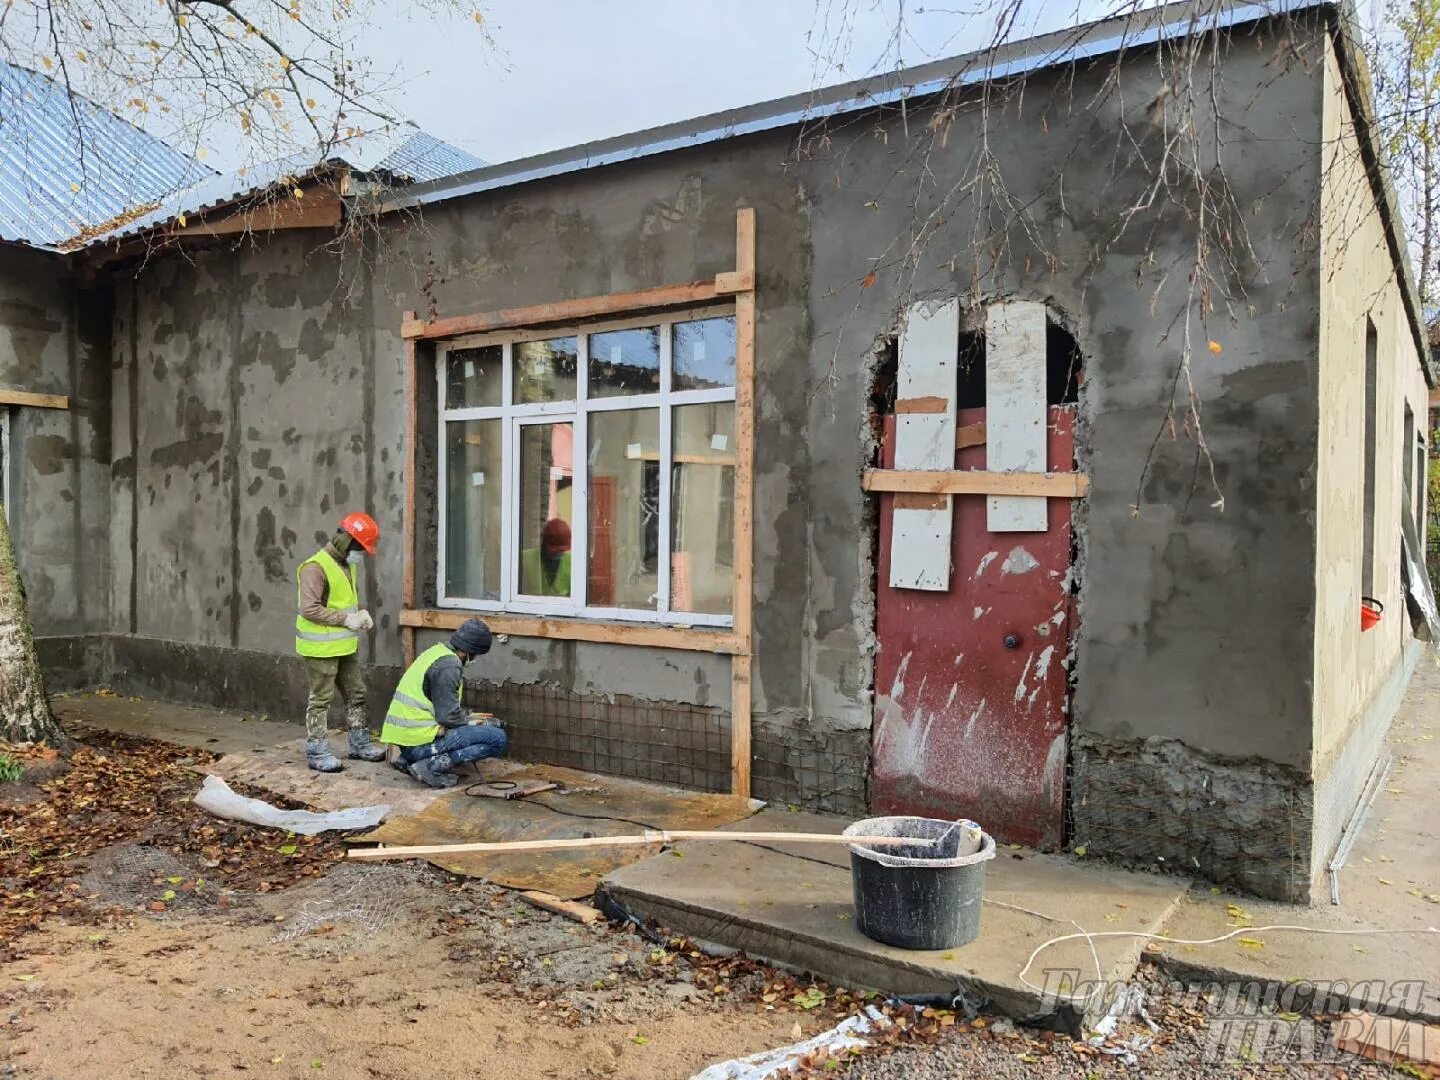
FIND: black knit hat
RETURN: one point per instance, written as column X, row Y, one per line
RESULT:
column 472, row 639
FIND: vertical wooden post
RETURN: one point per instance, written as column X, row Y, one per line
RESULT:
column 744, row 502
column 412, row 417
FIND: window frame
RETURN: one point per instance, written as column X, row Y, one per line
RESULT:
column 577, row 412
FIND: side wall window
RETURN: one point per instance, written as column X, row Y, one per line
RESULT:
column 591, row 473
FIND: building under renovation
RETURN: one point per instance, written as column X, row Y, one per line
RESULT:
column 1030, row 436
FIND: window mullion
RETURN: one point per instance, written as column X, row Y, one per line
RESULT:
column 580, row 478
column 509, row 503
column 666, row 453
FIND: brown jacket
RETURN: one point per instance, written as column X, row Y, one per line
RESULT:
column 315, row 590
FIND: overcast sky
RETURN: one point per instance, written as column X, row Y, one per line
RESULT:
column 561, row 72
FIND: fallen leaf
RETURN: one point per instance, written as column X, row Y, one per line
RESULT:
column 640, row 1040
column 25, row 978
column 1216, row 347
column 1081, row 850
column 810, row 998
column 868, row 280
column 287, row 849
column 1252, row 943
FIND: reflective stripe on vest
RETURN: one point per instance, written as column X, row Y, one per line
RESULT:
column 317, row 639
column 410, row 720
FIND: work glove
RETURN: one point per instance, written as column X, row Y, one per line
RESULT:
column 355, row 620
column 485, row 719
column 369, row 622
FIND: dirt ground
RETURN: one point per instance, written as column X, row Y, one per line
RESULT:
column 369, row 972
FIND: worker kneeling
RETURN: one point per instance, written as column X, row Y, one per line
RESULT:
column 426, row 720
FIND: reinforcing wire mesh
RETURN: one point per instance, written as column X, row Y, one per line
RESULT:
column 361, row 900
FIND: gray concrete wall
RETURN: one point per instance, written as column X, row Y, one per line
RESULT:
column 258, row 394
column 54, row 339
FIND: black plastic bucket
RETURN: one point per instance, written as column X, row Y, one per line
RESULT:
column 920, row 897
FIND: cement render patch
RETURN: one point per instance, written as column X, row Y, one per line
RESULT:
column 792, row 904
column 1391, row 882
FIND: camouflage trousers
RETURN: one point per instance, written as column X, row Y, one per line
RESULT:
column 325, row 675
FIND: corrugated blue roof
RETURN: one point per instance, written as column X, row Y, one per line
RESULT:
column 421, row 157
column 398, row 156
column 67, row 165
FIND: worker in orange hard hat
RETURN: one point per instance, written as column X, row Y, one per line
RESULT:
column 327, row 637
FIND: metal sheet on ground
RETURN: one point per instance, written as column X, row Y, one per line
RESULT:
column 611, row 807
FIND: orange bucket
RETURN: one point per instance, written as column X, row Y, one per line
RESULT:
column 1370, row 612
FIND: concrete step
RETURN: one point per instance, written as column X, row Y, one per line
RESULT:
column 791, row 904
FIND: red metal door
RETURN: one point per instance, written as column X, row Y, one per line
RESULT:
column 971, row 684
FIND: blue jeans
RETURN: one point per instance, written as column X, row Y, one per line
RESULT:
column 463, row 744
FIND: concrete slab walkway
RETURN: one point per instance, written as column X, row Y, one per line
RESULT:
column 267, row 753
column 1391, row 882
column 792, row 904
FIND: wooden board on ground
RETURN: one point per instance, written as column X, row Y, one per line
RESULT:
column 604, row 805
column 581, row 913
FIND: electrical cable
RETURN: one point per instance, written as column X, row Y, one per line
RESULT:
column 1089, row 937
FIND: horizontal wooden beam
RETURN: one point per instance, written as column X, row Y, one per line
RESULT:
column 734, row 281
column 970, row 435
column 320, row 209
column 664, row 296
column 921, row 405
column 1064, row 485
column 34, row 401
column 614, row 633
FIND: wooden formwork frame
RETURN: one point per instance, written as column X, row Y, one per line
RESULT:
column 736, row 641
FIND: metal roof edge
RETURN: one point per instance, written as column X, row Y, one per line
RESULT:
column 1071, row 45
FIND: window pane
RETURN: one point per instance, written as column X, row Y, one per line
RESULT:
column 473, row 377
column 704, row 354
column 702, row 513
column 625, row 362
column 624, row 498
column 472, row 509
column 546, row 509
column 545, row 371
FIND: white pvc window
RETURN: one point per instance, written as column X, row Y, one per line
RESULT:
column 618, row 437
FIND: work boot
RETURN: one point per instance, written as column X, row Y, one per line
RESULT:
column 361, row 747
column 320, row 757
column 435, row 771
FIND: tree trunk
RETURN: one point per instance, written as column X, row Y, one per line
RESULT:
column 25, row 714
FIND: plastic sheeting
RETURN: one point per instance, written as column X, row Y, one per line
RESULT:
column 218, row 798
column 773, row 1063
column 1419, row 597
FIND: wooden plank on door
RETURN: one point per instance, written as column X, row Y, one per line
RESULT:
column 925, row 440
column 1015, row 409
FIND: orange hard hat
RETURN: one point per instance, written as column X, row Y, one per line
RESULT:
column 362, row 527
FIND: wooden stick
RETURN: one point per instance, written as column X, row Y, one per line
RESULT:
column 581, row 913
column 412, row 434
column 34, row 401
column 742, row 604
column 648, row 838
column 1060, row 485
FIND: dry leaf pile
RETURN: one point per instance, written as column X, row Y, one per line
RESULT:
column 115, row 789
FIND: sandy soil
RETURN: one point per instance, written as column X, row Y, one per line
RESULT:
column 429, row 979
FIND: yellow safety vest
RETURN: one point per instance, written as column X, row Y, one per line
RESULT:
column 317, row 639
column 411, row 719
